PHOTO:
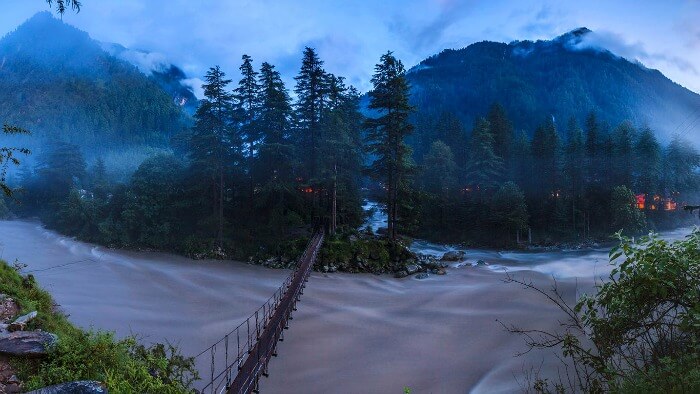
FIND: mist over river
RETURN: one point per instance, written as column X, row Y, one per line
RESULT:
column 351, row 334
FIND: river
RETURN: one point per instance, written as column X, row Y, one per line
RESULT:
column 351, row 334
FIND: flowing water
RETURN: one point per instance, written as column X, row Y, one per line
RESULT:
column 351, row 334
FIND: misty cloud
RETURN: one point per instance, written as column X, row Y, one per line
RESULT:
column 196, row 85
column 145, row 61
column 615, row 44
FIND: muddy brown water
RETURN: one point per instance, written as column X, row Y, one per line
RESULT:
column 351, row 333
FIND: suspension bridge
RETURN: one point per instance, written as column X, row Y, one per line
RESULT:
column 240, row 358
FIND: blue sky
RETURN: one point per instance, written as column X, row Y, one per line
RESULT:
column 351, row 35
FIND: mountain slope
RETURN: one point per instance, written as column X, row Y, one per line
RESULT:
column 168, row 76
column 59, row 83
column 563, row 77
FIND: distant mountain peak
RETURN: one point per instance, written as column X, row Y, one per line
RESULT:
column 45, row 22
column 570, row 75
column 579, row 32
column 43, row 17
column 573, row 37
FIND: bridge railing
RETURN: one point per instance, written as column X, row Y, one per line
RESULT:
column 227, row 355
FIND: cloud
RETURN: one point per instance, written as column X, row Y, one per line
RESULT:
column 146, row 62
column 543, row 22
column 426, row 35
column 615, row 44
column 196, row 85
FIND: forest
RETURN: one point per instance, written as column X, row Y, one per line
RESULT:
column 258, row 168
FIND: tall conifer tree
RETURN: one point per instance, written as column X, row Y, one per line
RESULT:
column 311, row 90
column 386, row 134
column 213, row 141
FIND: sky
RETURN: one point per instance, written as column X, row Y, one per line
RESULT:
column 350, row 36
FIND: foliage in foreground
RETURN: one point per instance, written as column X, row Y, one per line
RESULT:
column 123, row 365
column 640, row 332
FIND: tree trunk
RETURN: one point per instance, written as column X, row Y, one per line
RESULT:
column 390, row 204
column 220, row 233
column 335, row 201
column 573, row 212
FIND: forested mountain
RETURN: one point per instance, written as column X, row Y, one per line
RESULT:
column 168, row 76
column 59, row 83
column 561, row 78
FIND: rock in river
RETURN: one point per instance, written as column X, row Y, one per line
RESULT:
column 26, row 343
column 412, row 268
column 453, row 255
column 422, row 275
column 79, row 387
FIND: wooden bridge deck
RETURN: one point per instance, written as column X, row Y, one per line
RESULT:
column 256, row 339
column 249, row 372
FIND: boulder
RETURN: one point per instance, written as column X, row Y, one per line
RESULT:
column 11, row 388
column 440, row 271
column 332, row 268
column 412, row 268
column 422, row 275
column 481, row 262
column 79, row 387
column 8, row 308
column 400, row 274
column 26, row 343
column 453, row 255
column 21, row 322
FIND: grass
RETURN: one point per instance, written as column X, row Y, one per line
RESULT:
column 123, row 365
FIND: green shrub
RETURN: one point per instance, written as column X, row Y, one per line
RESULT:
column 640, row 332
column 123, row 365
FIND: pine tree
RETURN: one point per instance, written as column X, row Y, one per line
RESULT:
column 61, row 168
column 439, row 170
column 100, row 182
column 246, row 110
column 439, row 177
column 213, row 142
column 623, row 164
column 311, row 90
column 386, row 134
column 647, row 152
column 484, row 168
column 277, row 200
column 450, row 129
column 545, row 154
column 274, row 122
column 339, row 164
column 592, row 148
column 502, row 130
column 573, row 170
column 509, row 210
column 521, row 162
column 681, row 163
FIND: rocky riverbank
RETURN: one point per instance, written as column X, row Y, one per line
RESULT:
column 18, row 343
